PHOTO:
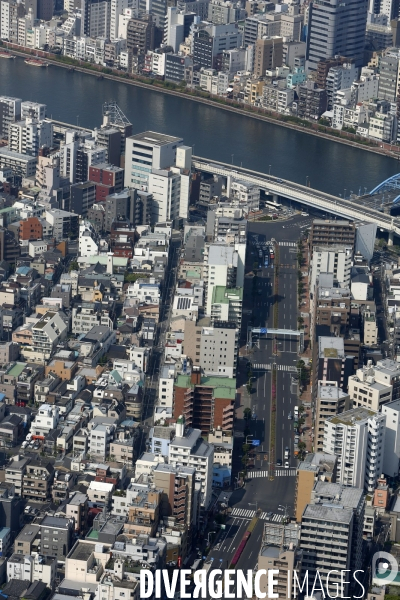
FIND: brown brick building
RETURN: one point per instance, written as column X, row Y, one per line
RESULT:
column 30, row 229
column 205, row 402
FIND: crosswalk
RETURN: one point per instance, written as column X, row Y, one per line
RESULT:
column 249, row 514
column 268, row 367
column 291, row 244
column 277, row 473
column 254, row 474
column 285, row 472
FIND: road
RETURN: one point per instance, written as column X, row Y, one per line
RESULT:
column 303, row 195
column 268, row 486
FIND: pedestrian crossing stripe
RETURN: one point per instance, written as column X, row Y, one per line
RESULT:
column 285, row 472
column 268, row 367
column 277, row 473
column 254, row 474
column 291, row 244
column 249, row 514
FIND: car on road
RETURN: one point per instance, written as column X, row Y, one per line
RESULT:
column 296, row 439
column 287, row 464
column 270, row 515
column 279, row 462
column 290, row 416
column 287, row 452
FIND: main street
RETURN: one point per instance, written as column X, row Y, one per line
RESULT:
column 268, row 486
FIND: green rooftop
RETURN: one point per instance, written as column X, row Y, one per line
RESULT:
column 16, row 369
column 222, row 294
column 93, row 535
column 224, row 387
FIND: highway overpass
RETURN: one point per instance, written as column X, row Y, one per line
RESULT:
column 302, row 194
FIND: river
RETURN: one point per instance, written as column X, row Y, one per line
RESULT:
column 216, row 134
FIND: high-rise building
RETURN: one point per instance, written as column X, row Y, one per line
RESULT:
column 140, row 34
column 365, row 391
column 330, row 362
column 45, row 9
column 331, row 400
column 331, row 533
column 220, row 269
column 29, row 136
column 209, row 41
column 145, row 152
column 190, row 450
column 10, row 111
column 219, row 349
column 318, row 465
column 268, row 54
column 357, row 438
column 280, row 552
column 205, row 402
column 108, row 178
column 329, row 232
column 335, row 260
column 156, row 8
column 179, row 498
column 116, row 9
column 336, row 28
column 96, row 18
column 389, row 67
column 177, row 27
column 34, row 110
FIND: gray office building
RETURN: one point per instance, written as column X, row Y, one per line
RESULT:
column 336, row 28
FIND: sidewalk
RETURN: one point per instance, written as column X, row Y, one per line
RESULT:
column 305, row 396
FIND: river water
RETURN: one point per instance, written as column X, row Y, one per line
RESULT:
column 216, row 134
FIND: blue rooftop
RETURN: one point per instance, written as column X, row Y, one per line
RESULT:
column 4, row 532
column 23, row 270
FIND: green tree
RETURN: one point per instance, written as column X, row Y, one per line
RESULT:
column 73, row 266
column 247, row 413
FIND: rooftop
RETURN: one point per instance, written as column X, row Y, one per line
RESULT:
column 155, row 139
column 328, row 513
column 353, row 416
column 331, row 347
column 222, row 294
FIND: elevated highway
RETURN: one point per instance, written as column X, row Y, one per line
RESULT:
column 302, row 194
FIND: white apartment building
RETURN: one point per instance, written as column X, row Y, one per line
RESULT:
column 169, row 188
column 370, row 328
column 365, row 391
column 32, row 568
column 46, row 419
column 140, row 356
column 166, row 386
column 87, row 315
column 145, row 290
column 366, row 88
column 46, row 334
column 336, row 260
column 357, row 438
column 28, row 136
column 117, row 7
column 88, row 240
column 219, row 349
column 220, row 269
column 99, row 440
column 190, row 450
column 391, row 456
column 11, row 107
column 33, row 110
